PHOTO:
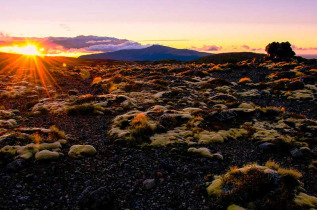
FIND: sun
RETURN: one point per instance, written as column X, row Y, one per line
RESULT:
column 30, row 49
column 27, row 49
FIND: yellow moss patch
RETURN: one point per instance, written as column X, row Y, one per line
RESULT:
column 207, row 137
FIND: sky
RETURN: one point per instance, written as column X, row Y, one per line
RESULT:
column 205, row 25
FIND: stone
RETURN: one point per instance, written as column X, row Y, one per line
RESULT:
column 217, row 156
column 149, row 184
column 266, row 146
column 16, row 165
column 296, row 153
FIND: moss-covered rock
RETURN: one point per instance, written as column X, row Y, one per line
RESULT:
column 235, row 207
column 79, row 151
column 203, row 151
column 46, row 155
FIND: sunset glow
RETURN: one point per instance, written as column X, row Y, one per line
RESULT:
column 28, row 49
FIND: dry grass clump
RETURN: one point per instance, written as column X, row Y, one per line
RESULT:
column 85, row 98
column 140, row 128
column 96, row 81
column 56, row 134
column 272, row 165
column 159, row 84
column 84, row 109
column 289, row 173
column 132, row 86
column 244, row 80
column 117, row 79
column 270, row 111
column 306, row 201
column 109, row 87
column 266, row 187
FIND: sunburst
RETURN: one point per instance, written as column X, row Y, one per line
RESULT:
column 30, row 65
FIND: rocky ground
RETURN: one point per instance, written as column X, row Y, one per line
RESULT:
column 142, row 136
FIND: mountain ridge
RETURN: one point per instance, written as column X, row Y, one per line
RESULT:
column 152, row 53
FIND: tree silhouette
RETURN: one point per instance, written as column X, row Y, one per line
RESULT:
column 279, row 50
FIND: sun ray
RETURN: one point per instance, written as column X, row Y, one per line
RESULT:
column 30, row 66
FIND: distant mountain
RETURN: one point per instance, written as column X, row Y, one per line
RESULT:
column 153, row 53
column 229, row 57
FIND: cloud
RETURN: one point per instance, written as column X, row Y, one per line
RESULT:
column 208, row 48
column 257, row 49
column 101, row 41
column 245, row 47
column 165, row 40
column 303, row 48
column 84, row 41
column 116, row 47
column 55, row 45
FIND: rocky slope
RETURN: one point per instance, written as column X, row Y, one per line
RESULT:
column 144, row 136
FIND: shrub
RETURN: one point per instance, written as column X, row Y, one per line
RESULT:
column 279, row 50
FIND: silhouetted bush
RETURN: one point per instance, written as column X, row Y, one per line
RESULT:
column 276, row 50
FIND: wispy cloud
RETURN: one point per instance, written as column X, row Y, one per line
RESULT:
column 245, row 47
column 304, row 48
column 165, row 40
column 208, row 48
